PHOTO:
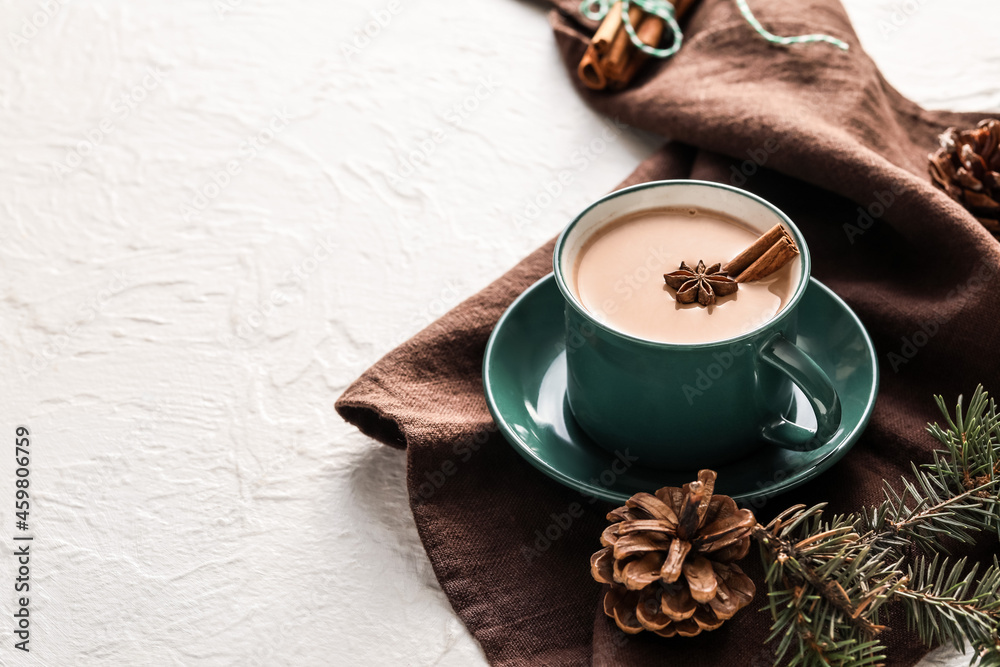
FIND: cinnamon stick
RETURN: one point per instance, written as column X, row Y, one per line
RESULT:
column 770, row 252
column 621, row 45
column 738, row 264
column 611, row 59
column 609, row 28
column 777, row 256
column 596, row 62
column 649, row 32
column 590, row 71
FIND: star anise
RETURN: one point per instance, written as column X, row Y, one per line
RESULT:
column 701, row 284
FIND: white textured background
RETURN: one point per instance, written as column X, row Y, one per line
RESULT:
column 196, row 499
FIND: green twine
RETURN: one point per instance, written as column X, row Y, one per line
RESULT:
column 785, row 41
column 598, row 9
column 660, row 8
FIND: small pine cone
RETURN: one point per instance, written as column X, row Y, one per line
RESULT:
column 967, row 167
column 670, row 560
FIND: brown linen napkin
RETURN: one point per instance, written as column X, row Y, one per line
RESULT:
column 821, row 134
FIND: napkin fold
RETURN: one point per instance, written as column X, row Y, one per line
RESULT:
column 818, row 132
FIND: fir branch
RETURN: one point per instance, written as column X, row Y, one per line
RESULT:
column 825, row 588
column 944, row 605
column 936, row 512
column 796, row 568
column 828, row 580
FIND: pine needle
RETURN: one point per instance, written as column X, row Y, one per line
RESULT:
column 830, row 580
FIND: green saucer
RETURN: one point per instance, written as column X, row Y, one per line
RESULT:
column 524, row 375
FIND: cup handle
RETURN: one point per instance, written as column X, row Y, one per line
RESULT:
column 814, row 383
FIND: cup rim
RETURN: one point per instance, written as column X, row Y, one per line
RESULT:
column 805, row 267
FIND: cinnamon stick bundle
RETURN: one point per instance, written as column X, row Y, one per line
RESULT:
column 612, row 60
column 767, row 254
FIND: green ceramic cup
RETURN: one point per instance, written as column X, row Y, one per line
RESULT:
column 690, row 406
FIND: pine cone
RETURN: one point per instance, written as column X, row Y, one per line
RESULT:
column 967, row 167
column 669, row 559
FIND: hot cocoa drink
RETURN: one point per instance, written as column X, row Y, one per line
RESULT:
column 629, row 275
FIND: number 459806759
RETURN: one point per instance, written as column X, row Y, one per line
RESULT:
column 21, row 458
